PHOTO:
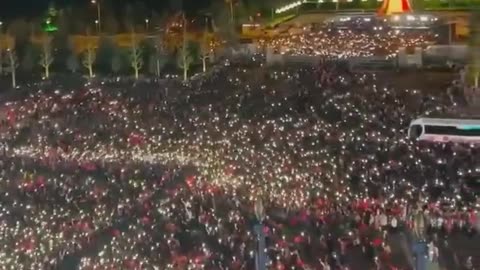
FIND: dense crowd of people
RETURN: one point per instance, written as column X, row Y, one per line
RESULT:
column 345, row 43
column 167, row 175
column 168, row 179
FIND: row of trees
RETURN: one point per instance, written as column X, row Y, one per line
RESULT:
column 53, row 53
column 115, row 18
column 147, row 56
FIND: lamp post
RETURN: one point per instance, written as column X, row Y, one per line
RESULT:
column 1, row 48
column 261, row 260
column 99, row 14
column 147, row 22
column 97, row 26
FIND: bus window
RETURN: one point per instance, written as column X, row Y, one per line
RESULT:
column 415, row 131
column 473, row 183
column 452, row 130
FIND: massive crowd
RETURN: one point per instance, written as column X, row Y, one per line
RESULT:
column 345, row 43
column 108, row 177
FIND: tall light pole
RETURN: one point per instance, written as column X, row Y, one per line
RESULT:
column 1, row 48
column 97, row 26
column 99, row 14
column 147, row 22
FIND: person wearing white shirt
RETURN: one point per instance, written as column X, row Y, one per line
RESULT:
column 383, row 220
column 394, row 222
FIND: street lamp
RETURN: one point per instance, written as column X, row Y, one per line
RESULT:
column 97, row 26
column 147, row 21
column 1, row 48
column 99, row 14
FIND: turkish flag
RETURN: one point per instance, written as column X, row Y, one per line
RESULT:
column 136, row 139
column 190, row 180
column 40, row 181
column 377, row 242
column 11, row 117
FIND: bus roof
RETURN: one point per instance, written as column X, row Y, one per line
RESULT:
column 445, row 121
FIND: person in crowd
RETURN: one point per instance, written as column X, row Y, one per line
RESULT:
column 102, row 177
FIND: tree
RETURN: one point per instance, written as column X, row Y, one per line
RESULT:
column 13, row 61
column 159, row 59
column 46, row 56
column 72, row 63
column 185, row 56
column 89, row 58
column 205, row 54
column 156, row 63
column 136, row 60
column 205, row 48
column 186, row 59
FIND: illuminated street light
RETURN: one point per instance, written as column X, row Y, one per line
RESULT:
column 147, row 21
column 99, row 15
column 97, row 25
column 1, row 47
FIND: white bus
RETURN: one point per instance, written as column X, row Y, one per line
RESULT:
column 445, row 130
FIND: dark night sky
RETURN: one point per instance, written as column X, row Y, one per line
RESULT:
column 21, row 8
